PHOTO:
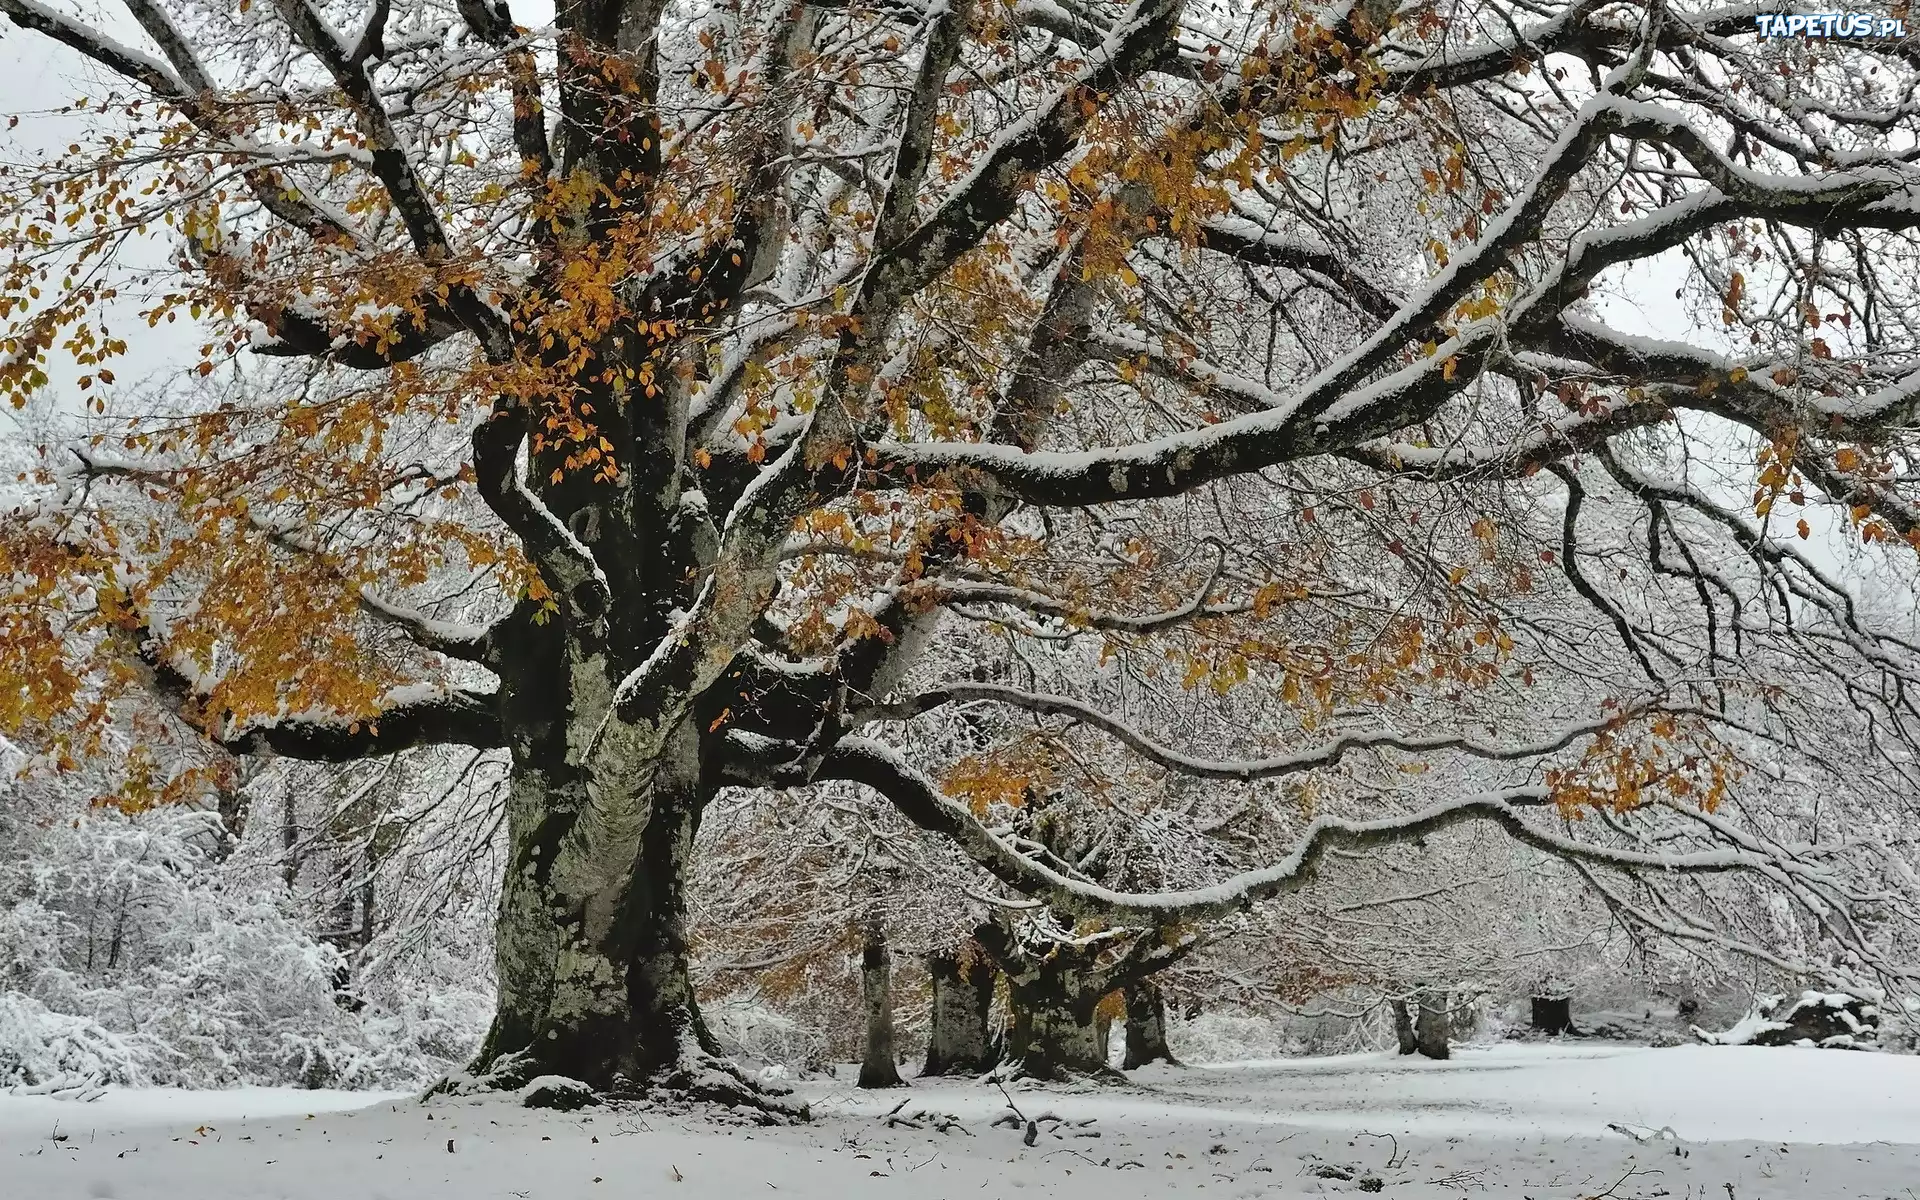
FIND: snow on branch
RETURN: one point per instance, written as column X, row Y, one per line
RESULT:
column 421, row 716
column 1326, row 754
column 1590, row 29
column 136, row 66
column 182, row 81
column 881, row 768
column 1180, row 462
column 1335, row 410
column 455, row 639
column 395, row 170
column 988, row 195
column 1552, row 439
column 564, row 559
column 1755, row 398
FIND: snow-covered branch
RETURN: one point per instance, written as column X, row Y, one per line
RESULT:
column 1326, row 754
column 886, row 772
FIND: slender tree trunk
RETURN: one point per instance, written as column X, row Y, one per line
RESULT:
column 960, row 1039
column 1146, row 1029
column 877, row 1069
column 290, row 842
column 1430, row 1027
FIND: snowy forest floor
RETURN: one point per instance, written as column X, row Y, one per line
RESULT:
column 1519, row 1121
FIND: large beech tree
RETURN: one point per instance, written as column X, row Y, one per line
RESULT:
column 638, row 391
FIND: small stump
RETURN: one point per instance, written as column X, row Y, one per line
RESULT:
column 1553, row 1014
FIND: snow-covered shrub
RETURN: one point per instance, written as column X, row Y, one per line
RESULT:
column 755, row 1033
column 1831, row 1020
column 126, row 926
column 40, row 1048
column 1218, row 1037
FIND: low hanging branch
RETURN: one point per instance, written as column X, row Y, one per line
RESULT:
column 886, row 772
column 1248, row 769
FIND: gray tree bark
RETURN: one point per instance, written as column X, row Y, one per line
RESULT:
column 592, row 936
column 876, row 983
column 960, row 1040
column 1054, row 1034
column 1431, row 1025
column 1052, row 999
column 1146, row 1028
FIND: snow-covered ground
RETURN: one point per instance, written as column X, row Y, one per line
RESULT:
column 1515, row 1121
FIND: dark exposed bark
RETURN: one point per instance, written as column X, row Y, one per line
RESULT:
column 1431, row 1024
column 1053, row 991
column 1053, row 1034
column 1403, row 1026
column 1553, row 1014
column 877, row 1068
column 1146, row 1030
column 290, row 841
column 960, row 1039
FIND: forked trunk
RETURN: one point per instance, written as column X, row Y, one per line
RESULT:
column 960, row 1039
column 1146, row 1030
column 877, row 1069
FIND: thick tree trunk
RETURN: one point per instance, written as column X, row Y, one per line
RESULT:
column 1054, row 1034
column 1055, row 993
column 1431, row 1026
column 592, row 934
column 1146, row 1030
column 1403, row 1026
column 1553, row 1014
column 877, row 1069
column 960, row 1040
column 1054, row 999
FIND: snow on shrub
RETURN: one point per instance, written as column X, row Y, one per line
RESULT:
column 1831, row 1020
column 128, row 958
column 42, row 1050
column 755, row 1033
column 1226, row 1037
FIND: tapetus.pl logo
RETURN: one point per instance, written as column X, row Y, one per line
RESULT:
column 1830, row 25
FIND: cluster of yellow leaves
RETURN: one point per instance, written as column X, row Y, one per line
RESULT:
column 1636, row 762
column 1777, row 473
column 1346, row 664
column 1003, row 776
